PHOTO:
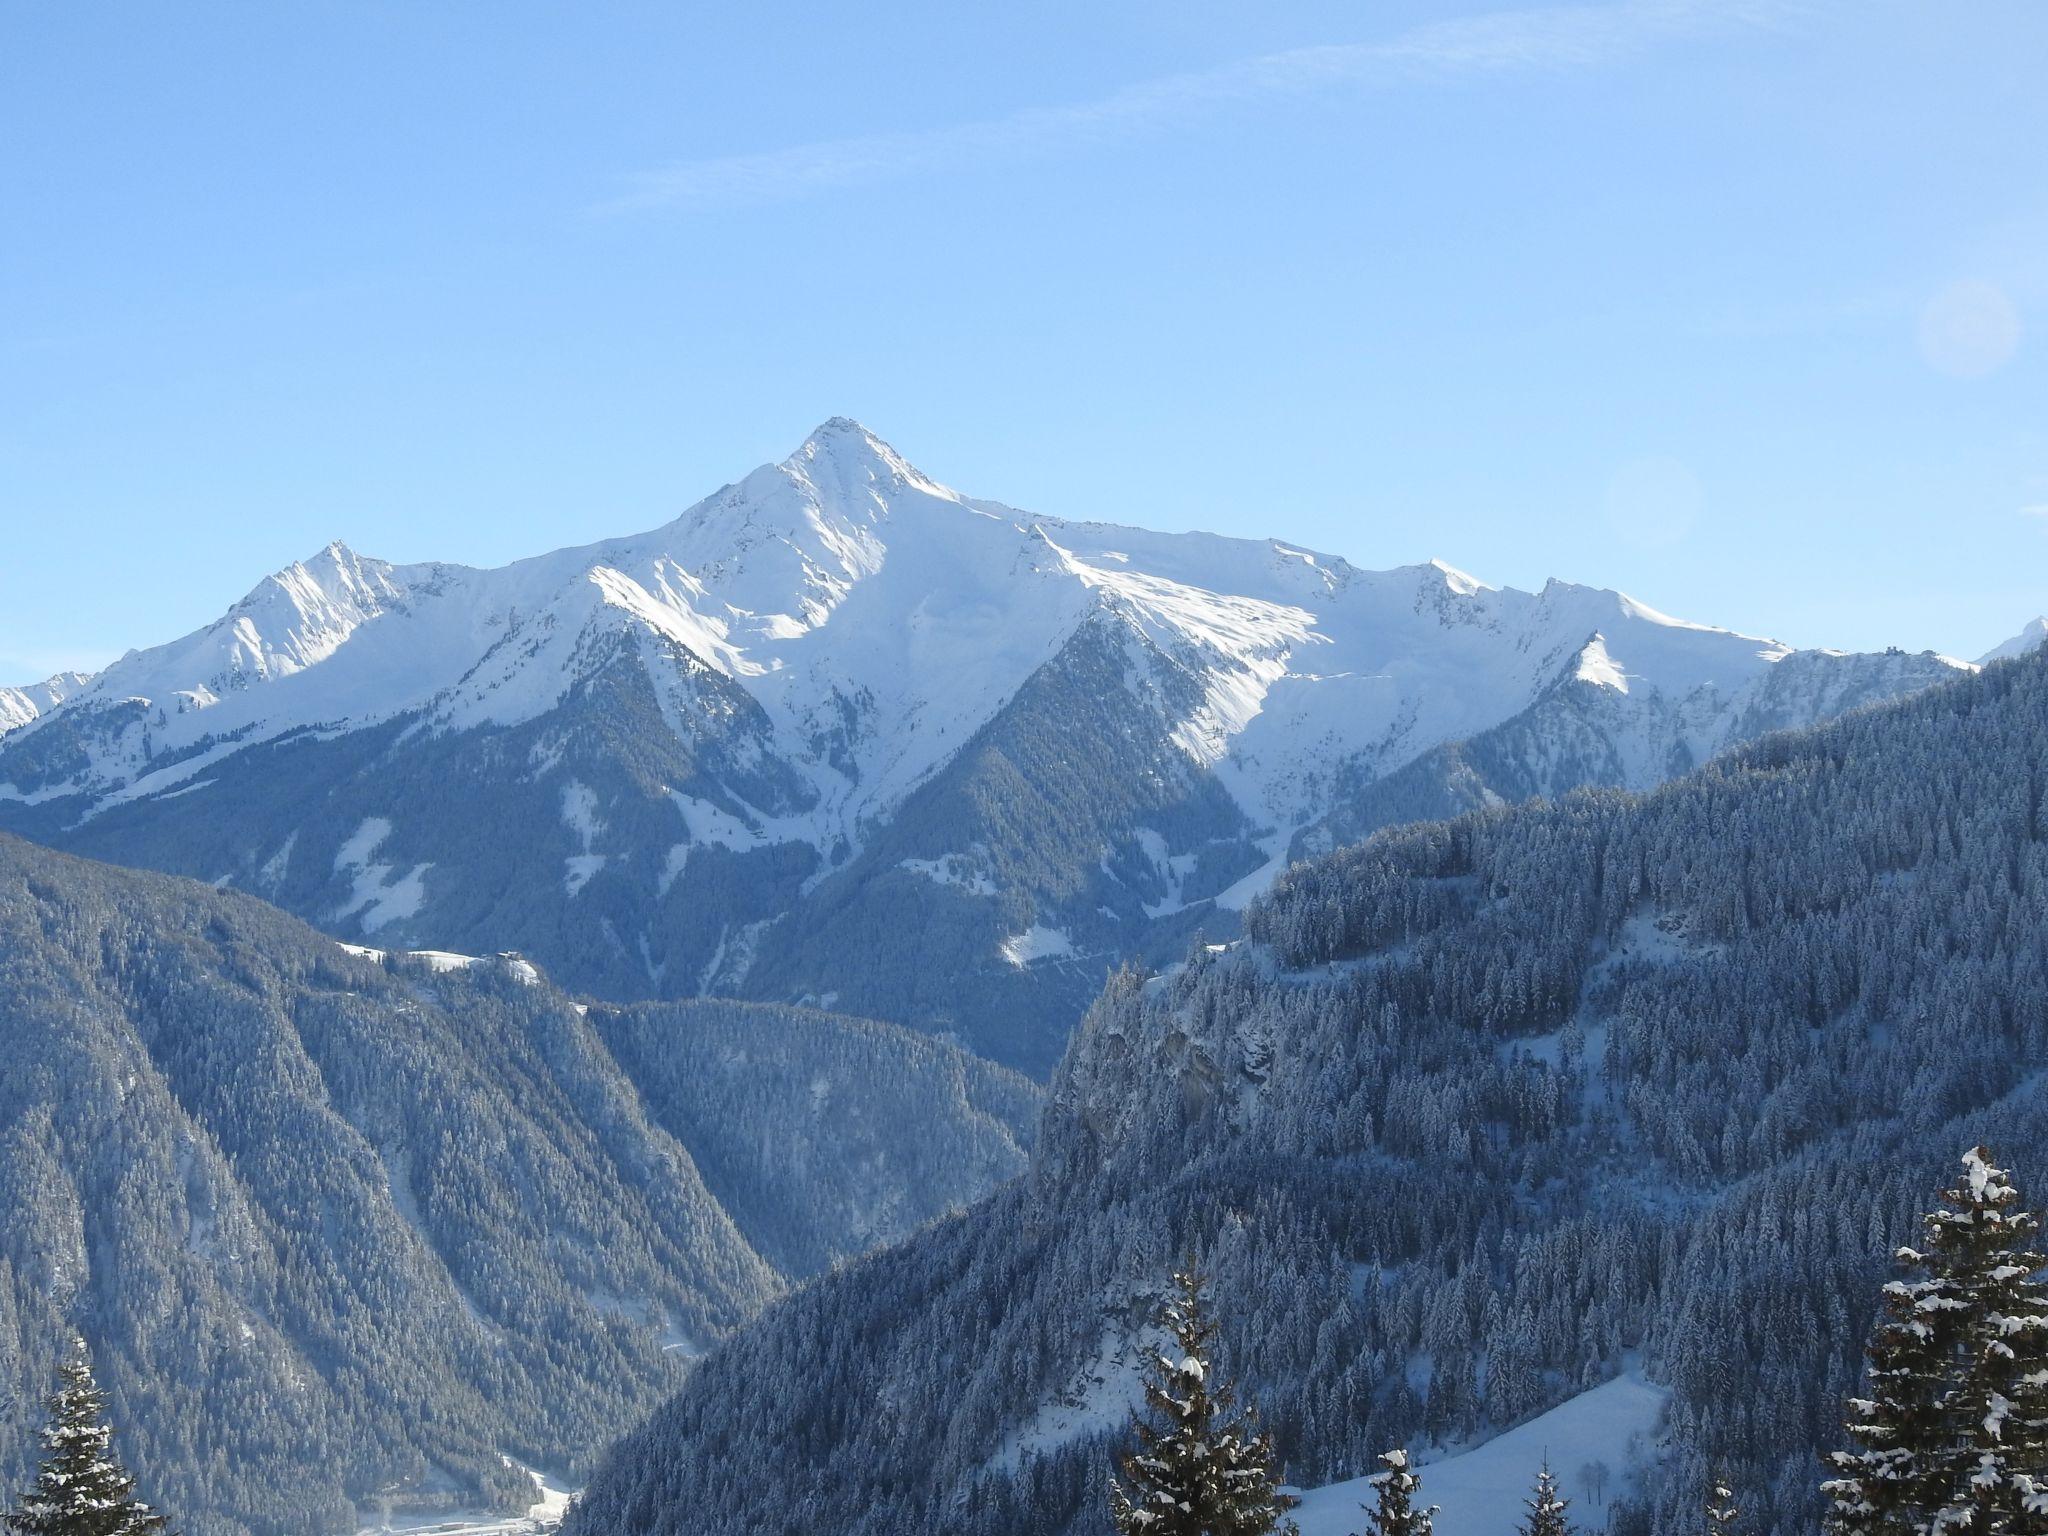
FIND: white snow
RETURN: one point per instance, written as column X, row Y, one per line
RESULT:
column 1598, row 668
column 1481, row 1491
column 2030, row 637
column 361, row 843
column 443, row 960
column 381, row 895
column 1100, row 1399
column 18, row 706
column 274, row 867
column 577, row 870
column 1243, row 892
column 1037, row 942
column 579, row 812
column 579, row 815
column 672, row 867
column 878, row 619
column 716, row 827
column 550, row 1504
column 954, row 869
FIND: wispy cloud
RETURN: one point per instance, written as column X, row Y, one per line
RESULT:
column 1522, row 41
column 2039, row 509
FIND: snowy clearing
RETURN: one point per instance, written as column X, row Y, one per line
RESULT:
column 379, row 895
column 550, row 1504
column 946, row 871
column 1037, row 942
column 442, row 961
column 1481, row 1491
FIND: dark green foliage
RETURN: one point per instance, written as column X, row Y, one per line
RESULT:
column 1196, row 1469
column 81, row 1488
column 1953, row 1431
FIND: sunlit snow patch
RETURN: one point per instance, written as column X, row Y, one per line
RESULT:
column 380, row 895
column 1481, row 1491
column 1599, row 668
column 442, row 961
column 953, row 869
column 551, row 1503
column 1037, row 942
column 1100, row 1400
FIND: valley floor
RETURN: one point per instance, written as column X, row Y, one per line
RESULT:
column 544, row 1515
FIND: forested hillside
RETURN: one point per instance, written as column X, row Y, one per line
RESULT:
column 345, row 1231
column 1485, row 1112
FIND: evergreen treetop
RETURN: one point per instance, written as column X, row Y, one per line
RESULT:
column 1546, row 1508
column 1196, row 1470
column 81, row 1489
column 1724, row 1516
column 1954, row 1431
column 1396, row 1514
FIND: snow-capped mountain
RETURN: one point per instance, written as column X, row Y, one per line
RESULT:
column 18, row 706
column 839, row 732
column 2033, row 635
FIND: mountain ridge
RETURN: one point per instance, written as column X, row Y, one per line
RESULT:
column 345, row 1228
column 1481, row 1115
column 732, row 711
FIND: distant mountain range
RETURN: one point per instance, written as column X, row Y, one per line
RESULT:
column 352, row 1232
column 841, row 734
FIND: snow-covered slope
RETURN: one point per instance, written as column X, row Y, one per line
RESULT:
column 1481, row 1492
column 2034, row 634
column 838, row 682
column 18, row 706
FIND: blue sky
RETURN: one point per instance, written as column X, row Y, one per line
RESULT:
column 1742, row 308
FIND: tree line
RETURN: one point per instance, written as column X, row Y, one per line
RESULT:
column 1951, row 1434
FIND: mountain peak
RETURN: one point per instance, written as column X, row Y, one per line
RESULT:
column 840, row 436
column 1462, row 583
column 2031, row 635
column 841, row 449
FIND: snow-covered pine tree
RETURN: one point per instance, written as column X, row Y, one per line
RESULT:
column 1546, row 1508
column 1196, row 1470
column 82, row 1489
column 1723, row 1514
column 1954, row 1432
column 1396, row 1514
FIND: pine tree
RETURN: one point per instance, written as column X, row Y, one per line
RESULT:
column 82, row 1488
column 1954, row 1432
column 1196, row 1471
column 1396, row 1514
column 1546, row 1508
column 1724, row 1516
